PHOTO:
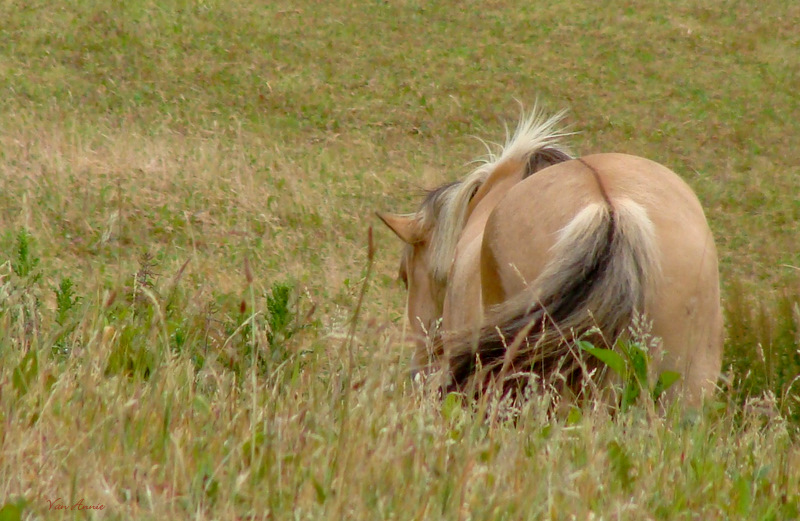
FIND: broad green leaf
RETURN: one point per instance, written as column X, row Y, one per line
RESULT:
column 630, row 394
column 574, row 416
column 12, row 511
column 451, row 406
column 611, row 358
column 665, row 381
column 639, row 363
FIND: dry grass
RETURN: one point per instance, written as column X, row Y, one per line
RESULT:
column 169, row 169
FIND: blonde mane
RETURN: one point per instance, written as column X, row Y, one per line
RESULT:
column 444, row 210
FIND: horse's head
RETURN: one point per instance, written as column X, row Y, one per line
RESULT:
column 430, row 236
column 425, row 289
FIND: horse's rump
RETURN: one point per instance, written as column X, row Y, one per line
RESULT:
column 598, row 276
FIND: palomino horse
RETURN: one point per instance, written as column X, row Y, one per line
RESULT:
column 536, row 249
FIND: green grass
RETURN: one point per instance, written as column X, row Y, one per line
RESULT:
column 185, row 192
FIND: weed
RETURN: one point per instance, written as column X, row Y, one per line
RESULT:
column 26, row 261
column 279, row 314
column 631, row 361
column 66, row 300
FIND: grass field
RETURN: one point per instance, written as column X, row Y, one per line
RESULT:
column 185, row 194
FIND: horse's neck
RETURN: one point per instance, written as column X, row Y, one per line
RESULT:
column 499, row 182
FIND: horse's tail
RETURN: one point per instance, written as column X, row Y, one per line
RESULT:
column 599, row 276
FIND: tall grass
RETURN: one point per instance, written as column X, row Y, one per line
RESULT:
column 763, row 347
column 185, row 193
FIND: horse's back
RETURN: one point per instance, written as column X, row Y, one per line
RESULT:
column 683, row 302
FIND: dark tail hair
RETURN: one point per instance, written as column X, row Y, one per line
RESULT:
column 598, row 278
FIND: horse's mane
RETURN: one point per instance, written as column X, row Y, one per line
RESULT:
column 444, row 210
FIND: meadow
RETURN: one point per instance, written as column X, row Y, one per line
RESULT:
column 194, row 323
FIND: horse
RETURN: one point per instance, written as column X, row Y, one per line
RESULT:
column 536, row 251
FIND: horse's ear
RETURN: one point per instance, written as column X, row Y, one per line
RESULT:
column 407, row 228
column 543, row 158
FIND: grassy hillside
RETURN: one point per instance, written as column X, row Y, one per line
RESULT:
column 185, row 194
